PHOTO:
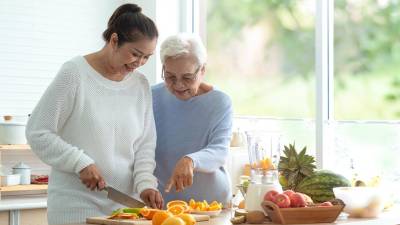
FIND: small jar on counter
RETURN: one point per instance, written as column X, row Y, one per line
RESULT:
column 25, row 172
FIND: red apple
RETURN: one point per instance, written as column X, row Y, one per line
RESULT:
column 288, row 193
column 297, row 200
column 325, row 204
column 270, row 195
column 283, row 201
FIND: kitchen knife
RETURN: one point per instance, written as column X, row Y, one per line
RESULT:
column 122, row 198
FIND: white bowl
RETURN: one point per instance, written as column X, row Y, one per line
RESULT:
column 366, row 202
column 9, row 180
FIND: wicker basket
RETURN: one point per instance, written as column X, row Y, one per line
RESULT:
column 301, row 215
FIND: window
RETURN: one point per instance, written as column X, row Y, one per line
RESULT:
column 365, row 136
column 367, row 60
column 261, row 53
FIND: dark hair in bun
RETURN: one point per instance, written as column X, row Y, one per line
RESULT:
column 130, row 24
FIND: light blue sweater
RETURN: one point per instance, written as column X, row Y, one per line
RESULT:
column 199, row 128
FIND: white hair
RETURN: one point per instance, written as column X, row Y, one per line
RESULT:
column 183, row 44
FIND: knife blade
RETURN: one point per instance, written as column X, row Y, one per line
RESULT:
column 123, row 198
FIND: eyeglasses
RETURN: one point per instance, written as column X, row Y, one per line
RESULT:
column 187, row 79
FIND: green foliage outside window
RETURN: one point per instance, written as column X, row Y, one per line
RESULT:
column 279, row 80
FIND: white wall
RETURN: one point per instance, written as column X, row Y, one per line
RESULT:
column 38, row 36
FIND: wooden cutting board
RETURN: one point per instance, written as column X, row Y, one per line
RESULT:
column 105, row 221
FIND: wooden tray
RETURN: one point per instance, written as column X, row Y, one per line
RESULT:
column 301, row 215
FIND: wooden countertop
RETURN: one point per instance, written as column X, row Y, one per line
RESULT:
column 27, row 189
column 14, row 147
column 386, row 218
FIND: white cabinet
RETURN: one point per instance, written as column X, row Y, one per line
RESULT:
column 24, row 217
column 4, row 218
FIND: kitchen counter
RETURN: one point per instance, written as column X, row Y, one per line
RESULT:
column 23, row 202
column 387, row 218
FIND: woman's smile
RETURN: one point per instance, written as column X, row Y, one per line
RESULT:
column 129, row 68
column 182, row 92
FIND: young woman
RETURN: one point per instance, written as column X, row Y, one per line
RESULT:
column 94, row 125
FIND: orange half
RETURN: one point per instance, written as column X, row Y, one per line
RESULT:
column 148, row 213
column 176, row 209
column 176, row 202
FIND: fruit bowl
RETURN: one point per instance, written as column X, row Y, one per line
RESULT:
column 304, row 215
column 366, row 202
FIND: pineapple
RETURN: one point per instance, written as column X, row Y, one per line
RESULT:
column 294, row 167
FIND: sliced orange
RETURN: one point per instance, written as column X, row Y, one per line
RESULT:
column 192, row 203
column 148, row 213
column 176, row 209
column 187, row 208
column 176, row 202
column 127, row 216
column 214, row 203
column 213, row 208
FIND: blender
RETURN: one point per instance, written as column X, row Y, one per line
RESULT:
column 264, row 153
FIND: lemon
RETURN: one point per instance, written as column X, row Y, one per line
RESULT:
column 173, row 221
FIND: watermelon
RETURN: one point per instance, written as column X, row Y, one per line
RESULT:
column 319, row 186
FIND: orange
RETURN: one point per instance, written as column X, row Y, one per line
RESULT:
column 173, row 221
column 192, row 203
column 176, row 209
column 214, row 203
column 160, row 216
column 148, row 213
column 176, row 202
column 241, row 205
column 247, row 170
column 189, row 219
column 266, row 164
column 213, row 208
column 127, row 216
column 185, row 207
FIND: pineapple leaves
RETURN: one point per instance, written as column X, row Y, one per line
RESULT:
column 295, row 166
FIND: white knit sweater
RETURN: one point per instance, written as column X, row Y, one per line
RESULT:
column 84, row 118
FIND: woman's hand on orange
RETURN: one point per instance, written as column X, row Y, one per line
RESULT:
column 90, row 176
column 152, row 198
column 182, row 177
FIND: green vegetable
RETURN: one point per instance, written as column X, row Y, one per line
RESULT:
column 132, row 210
column 126, row 210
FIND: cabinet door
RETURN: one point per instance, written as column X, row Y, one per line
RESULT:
column 4, row 217
column 33, row 216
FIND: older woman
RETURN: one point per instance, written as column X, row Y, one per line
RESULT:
column 193, row 123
